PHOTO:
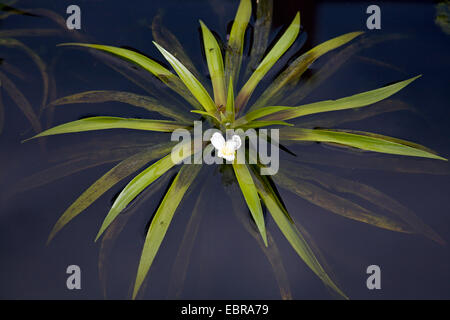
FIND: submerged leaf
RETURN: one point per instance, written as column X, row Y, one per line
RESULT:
column 344, row 207
column 336, row 204
column 114, row 230
column 13, row 33
column 334, row 63
column 381, row 162
column 59, row 171
column 2, row 109
column 269, row 60
column 16, row 72
column 290, row 231
column 142, row 181
column 161, row 220
column 271, row 251
column 74, row 158
column 368, row 141
column 102, row 123
column 181, row 263
column 250, row 193
column 332, row 119
column 135, row 57
column 106, row 182
column 13, row 43
column 363, row 191
column 6, row 7
column 168, row 40
column 295, row 70
column 355, row 101
column 235, row 47
column 21, row 101
column 171, row 80
column 215, row 65
column 261, row 31
column 152, row 85
column 146, row 102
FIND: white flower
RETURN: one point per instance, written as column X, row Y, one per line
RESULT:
column 226, row 149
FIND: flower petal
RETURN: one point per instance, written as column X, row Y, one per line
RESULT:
column 230, row 146
column 237, row 140
column 229, row 157
column 218, row 140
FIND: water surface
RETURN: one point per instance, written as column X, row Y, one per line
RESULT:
column 226, row 261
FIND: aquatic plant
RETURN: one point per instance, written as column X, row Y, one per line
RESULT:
column 225, row 109
column 443, row 15
column 8, row 40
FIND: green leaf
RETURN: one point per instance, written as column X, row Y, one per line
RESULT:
column 260, row 124
column 333, row 119
column 233, row 55
column 376, row 143
column 161, row 221
column 387, row 138
column 137, row 58
column 168, row 40
column 335, row 62
column 171, row 80
column 261, row 32
column 330, row 201
column 146, row 102
column 269, row 60
column 290, row 231
column 295, row 70
column 260, row 113
column 355, row 101
column 215, row 65
column 107, row 244
column 106, row 182
column 102, row 123
column 250, row 193
column 205, row 113
column 271, row 252
column 194, row 86
column 230, row 101
column 142, row 181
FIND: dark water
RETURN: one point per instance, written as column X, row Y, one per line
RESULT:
column 226, row 261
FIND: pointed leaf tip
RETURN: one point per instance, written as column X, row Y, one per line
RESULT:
column 277, row 51
column 189, row 80
column 214, row 60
